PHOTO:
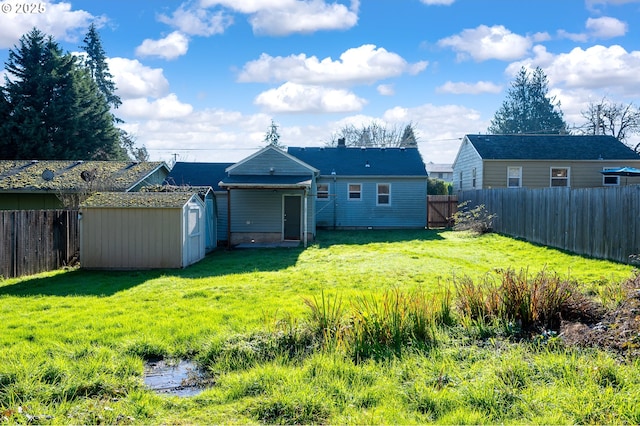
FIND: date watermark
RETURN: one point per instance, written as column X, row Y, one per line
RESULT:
column 22, row 8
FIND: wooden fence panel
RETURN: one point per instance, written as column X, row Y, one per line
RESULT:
column 598, row 222
column 440, row 210
column 34, row 241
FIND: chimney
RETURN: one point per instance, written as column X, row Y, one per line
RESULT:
column 341, row 143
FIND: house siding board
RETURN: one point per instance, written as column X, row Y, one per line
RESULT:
column 466, row 160
column 536, row 174
column 262, row 164
column 29, row 201
column 407, row 208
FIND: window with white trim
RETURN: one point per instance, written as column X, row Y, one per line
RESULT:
column 609, row 180
column 473, row 177
column 322, row 191
column 355, row 191
column 384, row 194
column 560, row 176
column 514, row 177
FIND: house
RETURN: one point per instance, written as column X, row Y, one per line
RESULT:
column 440, row 171
column 141, row 230
column 540, row 161
column 365, row 188
column 35, row 185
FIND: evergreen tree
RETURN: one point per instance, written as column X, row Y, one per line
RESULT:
column 96, row 61
column 528, row 109
column 409, row 137
column 53, row 108
column 272, row 137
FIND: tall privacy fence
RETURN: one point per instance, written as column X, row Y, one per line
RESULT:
column 33, row 241
column 598, row 222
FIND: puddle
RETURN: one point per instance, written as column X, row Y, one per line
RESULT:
column 180, row 378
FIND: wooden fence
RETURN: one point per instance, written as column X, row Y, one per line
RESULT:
column 597, row 222
column 440, row 210
column 33, row 241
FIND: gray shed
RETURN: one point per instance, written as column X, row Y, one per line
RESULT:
column 142, row 230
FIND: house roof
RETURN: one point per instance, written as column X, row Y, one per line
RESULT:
column 265, row 181
column 363, row 161
column 138, row 199
column 197, row 174
column 70, row 176
column 551, row 147
column 439, row 168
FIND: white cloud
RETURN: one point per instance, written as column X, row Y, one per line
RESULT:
column 293, row 97
column 283, row 17
column 386, row 89
column 57, row 19
column 168, row 107
column 477, row 88
column 197, row 21
column 484, row 43
column 134, row 80
column 361, row 65
column 606, row 27
column 172, row 46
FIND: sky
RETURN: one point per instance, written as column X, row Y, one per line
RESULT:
column 202, row 80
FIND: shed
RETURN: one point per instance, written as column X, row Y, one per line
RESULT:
column 142, row 230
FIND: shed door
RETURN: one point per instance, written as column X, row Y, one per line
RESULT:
column 194, row 235
column 291, row 217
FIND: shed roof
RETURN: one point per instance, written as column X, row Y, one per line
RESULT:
column 138, row 200
column 551, row 147
column 197, row 174
column 363, row 161
column 69, row 176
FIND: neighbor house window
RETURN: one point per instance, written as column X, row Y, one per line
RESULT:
column 473, row 178
column 559, row 176
column 460, row 180
column 514, row 177
column 355, row 191
column 610, row 180
column 323, row 191
column 384, row 194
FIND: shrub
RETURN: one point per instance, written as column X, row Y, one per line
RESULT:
column 476, row 219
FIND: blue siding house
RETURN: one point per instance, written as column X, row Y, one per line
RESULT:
column 275, row 196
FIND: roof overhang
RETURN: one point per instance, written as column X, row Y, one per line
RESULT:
column 265, row 182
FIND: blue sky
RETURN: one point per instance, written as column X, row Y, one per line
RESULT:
column 201, row 80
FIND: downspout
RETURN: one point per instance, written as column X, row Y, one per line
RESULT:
column 229, row 218
column 306, row 229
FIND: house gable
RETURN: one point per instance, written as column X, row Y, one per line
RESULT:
column 271, row 161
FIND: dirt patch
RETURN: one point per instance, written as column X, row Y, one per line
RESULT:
column 617, row 330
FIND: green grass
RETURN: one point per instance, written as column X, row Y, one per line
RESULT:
column 73, row 343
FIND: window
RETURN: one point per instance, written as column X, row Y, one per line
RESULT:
column 514, row 177
column 473, row 178
column 608, row 180
column 559, row 176
column 355, row 191
column 322, row 191
column 460, row 180
column 384, row 194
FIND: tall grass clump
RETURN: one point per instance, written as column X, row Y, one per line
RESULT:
column 379, row 327
column 519, row 300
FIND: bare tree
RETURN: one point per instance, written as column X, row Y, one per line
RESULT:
column 609, row 118
column 376, row 134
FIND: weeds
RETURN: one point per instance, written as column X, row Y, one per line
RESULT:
column 475, row 219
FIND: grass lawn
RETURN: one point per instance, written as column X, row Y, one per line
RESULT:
column 73, row 343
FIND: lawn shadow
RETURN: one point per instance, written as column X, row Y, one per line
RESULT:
column 327, row 238
column 104, row 283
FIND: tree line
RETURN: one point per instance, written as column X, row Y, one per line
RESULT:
column 55, row 105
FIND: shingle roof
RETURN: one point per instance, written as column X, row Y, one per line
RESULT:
column 138, row 199
column 551, row 147
column 363, row 162
column 73, row 175
column 198, row 174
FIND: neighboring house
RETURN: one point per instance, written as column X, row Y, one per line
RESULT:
column 35, row 185
column 440, row 171
column 540, row 161
column 141, row 230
